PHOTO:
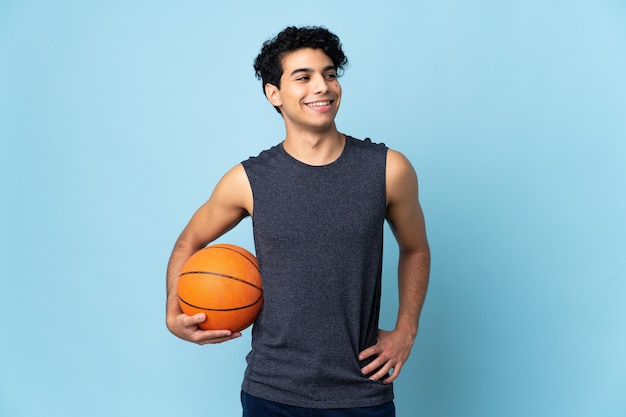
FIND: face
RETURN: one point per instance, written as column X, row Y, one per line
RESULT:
column 309, row 93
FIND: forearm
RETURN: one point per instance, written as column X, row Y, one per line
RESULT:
column 392, row 349
column 413, row 275
column 182, row 251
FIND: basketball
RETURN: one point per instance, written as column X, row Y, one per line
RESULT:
column 222, row 281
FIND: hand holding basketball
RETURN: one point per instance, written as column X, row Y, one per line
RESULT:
column 222, row 282
column 186, row 327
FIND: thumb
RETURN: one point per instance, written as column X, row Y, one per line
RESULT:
column 194, row 320
column 197, row 318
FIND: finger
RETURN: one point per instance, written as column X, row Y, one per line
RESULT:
column 369, row 352
column 373, row 366
column 382, row 374
column 213, row 341
column 392, row 377
column 214, row 336
column 393, row 374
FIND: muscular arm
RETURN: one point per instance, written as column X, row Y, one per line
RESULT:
column 230, row 202
column 406, row 220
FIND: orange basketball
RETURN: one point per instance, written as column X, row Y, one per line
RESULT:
column 223, row 282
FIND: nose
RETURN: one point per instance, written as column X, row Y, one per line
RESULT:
column 320, row 84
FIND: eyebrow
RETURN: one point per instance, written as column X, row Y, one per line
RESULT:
column 299, row 70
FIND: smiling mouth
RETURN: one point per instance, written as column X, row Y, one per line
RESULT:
column 319, row 104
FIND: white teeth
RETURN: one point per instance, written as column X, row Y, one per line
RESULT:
column 319, row 104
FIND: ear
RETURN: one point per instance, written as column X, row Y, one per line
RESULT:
column 272, row 94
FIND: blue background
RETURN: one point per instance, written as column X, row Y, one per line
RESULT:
column 117, row 118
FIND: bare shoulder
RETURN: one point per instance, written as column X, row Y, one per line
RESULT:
column 236, row 176
column 401, row 177
column 234, row 190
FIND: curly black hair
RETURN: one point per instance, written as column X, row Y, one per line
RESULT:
column 268, row 66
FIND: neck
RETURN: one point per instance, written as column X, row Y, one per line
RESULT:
column 315, row 148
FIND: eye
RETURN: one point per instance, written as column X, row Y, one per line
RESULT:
column 331, row 76
column 303, row 78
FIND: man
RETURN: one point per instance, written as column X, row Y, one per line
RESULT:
column 318, row 201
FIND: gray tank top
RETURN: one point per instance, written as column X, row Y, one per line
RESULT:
column 318, row 233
